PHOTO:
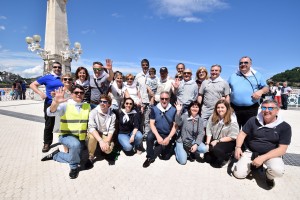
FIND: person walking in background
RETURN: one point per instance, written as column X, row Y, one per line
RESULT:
column 277, row 98
column 23, row 87
column 285, row 92
column 52, row 82
column 247, row 87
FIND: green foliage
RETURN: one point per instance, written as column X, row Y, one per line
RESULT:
column 291, row 76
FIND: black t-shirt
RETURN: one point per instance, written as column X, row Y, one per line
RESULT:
column 128, row 126
column 264, row 139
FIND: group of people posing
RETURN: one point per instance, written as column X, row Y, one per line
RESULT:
column 183, row 116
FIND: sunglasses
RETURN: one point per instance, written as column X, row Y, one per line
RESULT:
column 166, row 99
column 187, row 72
column 67, row 79
column 129, row 79
column 58, row 67
column 97, row 69
column 81, row 93
column 263, row 108
column 128, row 103
column 178, row 77
column 104, row 102
column 246, row 63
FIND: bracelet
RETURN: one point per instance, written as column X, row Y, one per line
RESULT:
column 206, row 143
column 237, row 147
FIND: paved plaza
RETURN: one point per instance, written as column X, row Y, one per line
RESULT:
column 24, row 176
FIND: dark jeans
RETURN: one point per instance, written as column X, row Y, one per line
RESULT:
column 154, row 150
column 244, row 113
column 222, row 151
column 284, row 99
column 49, row 125
column 23, row 95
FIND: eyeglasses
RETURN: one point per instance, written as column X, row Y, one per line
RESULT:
column 178, row 77
column 67, row 79
column 97, row 69
column 129, row 79
column 246, row 63
column 128, row 103
column 81, row 93
column 104, row 102
column 58, row 67
column 187, row 72
column 264, row 108
column 166, row 99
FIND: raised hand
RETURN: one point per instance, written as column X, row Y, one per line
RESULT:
column 178, row 105
column 59, row 95
column 108, row 64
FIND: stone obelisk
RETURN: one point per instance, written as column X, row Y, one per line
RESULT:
column 56, row 34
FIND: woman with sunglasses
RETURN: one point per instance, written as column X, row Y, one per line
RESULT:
column 191, row 133
column 82, row 78
column 133, row 91
column 221, row 132
column 129, row 135
column 201, row 75
column 118, row 91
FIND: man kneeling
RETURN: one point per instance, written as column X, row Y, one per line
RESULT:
column 267, row 138
column 73, row 126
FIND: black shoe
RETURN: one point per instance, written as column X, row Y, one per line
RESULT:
column 74, row 173
column 89, row 164
column 50, row 156
column 191, row 157
column 46, row 148
column 148, row 162
column 270, row 183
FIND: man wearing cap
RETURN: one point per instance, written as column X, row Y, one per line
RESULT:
column 99, row 83
column 164, row 84
column 186, row 90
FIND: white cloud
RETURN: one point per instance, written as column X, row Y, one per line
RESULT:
column 32, row 72
column 2, row 28
column 116, row 15
column 190, row 19
column 3, row 17
column 187, row 8
column 88, row 31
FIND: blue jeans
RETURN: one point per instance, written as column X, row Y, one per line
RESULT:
column 73, row 156
column 124, row 140
column 181, row 155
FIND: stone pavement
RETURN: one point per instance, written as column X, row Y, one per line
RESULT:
column 24, row 176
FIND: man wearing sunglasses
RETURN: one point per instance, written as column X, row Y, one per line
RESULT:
column 263, row 140
column 101, row 128
column 52, row 82
column 247, row 86
column 186, row 90
column 73, row 126
column 99, row 83
column 160, row 138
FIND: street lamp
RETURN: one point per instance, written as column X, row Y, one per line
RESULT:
column 35, row 46
column 73, row 53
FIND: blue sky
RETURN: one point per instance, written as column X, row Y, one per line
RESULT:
column 195, row 32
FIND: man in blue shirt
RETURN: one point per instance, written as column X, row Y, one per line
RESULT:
column 163, row 128
column 247, row 86
column 52, row 82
